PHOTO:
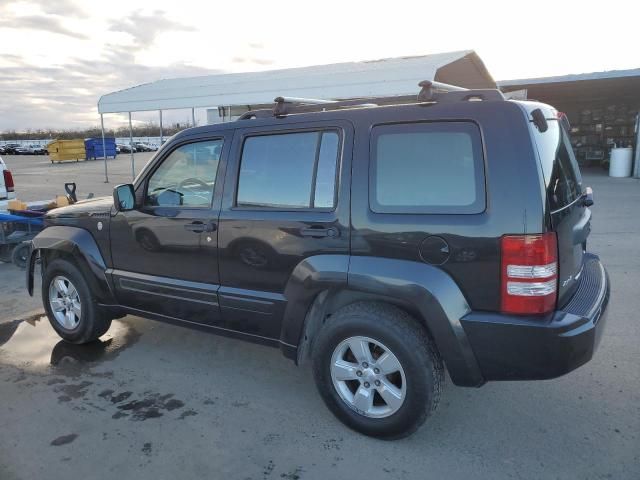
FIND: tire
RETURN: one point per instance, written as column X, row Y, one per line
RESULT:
column 92, row 322
column 418, row 380
column 20, row 255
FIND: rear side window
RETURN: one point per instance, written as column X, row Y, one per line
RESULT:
column 290, row 170
column 559, row 166
column 434, row 167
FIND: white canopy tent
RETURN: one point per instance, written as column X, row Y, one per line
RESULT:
column 391, row 77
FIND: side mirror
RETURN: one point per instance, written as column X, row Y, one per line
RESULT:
column 124, row 197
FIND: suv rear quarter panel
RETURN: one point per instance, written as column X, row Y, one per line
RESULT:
column 513, row 198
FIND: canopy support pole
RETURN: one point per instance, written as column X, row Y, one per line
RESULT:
column 160, row 127
column 104, row 150
column 193, row 116
column 133, row 164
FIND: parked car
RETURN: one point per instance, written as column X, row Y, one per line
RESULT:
column 31, row 150
column 140, row 147
column 146, row 147
column 38, row 150
column 23, row 150
column 11, row 148
column 125, row 148
column 379, row 243
column 6, row 182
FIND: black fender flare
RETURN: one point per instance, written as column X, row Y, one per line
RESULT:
column 309, row 278
column 426, row 289
column 80, row 245
column 437, row 298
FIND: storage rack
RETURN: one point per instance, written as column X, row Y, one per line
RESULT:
column 598, row 128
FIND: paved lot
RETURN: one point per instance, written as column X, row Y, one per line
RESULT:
column 37, row 178
column 157, row 401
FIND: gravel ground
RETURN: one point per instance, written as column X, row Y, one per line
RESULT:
column 157, row 401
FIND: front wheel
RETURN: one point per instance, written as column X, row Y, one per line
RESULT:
column 377, row 370
column 70, row 306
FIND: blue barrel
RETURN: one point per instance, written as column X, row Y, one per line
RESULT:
column 93, row 146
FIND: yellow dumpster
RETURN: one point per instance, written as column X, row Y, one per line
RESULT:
column 63, row 150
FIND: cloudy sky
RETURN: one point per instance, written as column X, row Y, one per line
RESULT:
column 58, row 56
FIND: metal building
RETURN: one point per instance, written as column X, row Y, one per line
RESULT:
column 602, row 108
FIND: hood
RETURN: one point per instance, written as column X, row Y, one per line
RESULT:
column 84, row 208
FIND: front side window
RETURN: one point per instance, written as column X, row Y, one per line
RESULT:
column 290, row 170
column 434, row 167
column 186, row 177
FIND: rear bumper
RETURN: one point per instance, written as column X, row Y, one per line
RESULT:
column 527, row 348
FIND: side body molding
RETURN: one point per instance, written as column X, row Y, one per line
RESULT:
column 437, row 298
column 81, row 246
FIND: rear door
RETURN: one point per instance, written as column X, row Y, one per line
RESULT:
column 282, row 204
column 570, row 219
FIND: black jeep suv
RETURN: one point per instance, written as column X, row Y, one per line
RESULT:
column 382, row 243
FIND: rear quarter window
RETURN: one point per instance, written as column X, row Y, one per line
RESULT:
column 562, row 178
column 434, row 167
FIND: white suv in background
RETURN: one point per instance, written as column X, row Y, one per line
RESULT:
column 6, row 182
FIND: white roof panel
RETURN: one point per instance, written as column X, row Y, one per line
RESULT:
column 377, row 78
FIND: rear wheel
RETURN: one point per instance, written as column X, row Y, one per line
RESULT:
column 70, row 306
column 377, row 370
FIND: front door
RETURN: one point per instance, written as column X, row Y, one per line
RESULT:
column 165, row 252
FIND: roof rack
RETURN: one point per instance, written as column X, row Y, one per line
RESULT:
column 285, row 105
column 430, row 92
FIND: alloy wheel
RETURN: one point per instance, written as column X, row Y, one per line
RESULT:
column 64, row 301
column 368, row 377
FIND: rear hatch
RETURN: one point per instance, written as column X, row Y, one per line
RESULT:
column 570, row 218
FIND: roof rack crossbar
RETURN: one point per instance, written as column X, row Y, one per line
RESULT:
column 428, row 87
column 307, row 101
column 445, row 93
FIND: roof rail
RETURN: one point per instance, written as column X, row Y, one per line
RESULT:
column 430, row 92
column 253, row 114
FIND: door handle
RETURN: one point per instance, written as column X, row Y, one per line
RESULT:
column 199, row 227
column 319, row 232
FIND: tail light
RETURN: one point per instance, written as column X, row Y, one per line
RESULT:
column 529, row 273
column 8, row 180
